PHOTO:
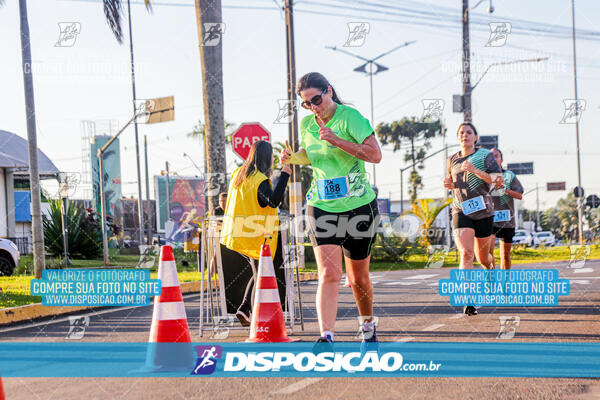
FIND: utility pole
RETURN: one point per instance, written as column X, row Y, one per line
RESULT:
column 168, row 194
column 137, row 145
column 148, row 223
column 580, row 198
column 466, row 59
column 295, row 185
column 34, row 175
column 537, row 212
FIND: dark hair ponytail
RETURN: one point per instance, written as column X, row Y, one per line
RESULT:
column 317, row 81
column 259, row 159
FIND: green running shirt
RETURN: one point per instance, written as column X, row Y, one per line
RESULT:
column 331, row 162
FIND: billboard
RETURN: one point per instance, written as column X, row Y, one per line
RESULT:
column 111, row 163
column 186, row 202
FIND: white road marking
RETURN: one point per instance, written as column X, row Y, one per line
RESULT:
column 581, row 281
column 294, row 387
column 433, row 284
column 457, row 316
column 424, row 276
column 406, row 339
column 409, row 283
column 583, row 270
column 433, row 327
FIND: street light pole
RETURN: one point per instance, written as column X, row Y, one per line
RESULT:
column 466, row 59
column 64, row 206
column 363, row 68
column 580, row 198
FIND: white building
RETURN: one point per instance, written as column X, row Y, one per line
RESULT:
column 15, row 198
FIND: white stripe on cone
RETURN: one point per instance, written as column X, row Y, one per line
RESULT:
column 267, row 296
column 266, row 267
column 167, row 273
column 169, row 311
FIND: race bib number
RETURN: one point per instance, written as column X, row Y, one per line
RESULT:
column 331, row 189
column 502, row 216
column 473, row 205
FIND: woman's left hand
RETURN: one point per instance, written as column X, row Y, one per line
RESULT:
column 286, row 168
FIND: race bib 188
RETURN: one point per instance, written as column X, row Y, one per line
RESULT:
column 331, row 189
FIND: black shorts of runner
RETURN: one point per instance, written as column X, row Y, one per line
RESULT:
column 483, row 227
column 504, row 234
column 354, row 230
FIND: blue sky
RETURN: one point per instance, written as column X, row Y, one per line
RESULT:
column 522, row 103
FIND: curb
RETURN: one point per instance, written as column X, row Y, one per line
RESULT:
column 35, row 311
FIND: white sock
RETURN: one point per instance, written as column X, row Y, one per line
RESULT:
column 368, row 325
column 328, row 334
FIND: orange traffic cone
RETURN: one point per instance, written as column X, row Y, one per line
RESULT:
column 267, row 317
column 170, row 347
column 1, row 391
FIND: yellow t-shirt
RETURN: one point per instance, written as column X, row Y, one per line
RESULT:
column 246, row 223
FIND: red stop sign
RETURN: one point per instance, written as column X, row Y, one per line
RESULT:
column 247, row 134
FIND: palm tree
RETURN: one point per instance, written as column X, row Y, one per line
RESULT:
column 427, row 210
column 199, row 132
column 112, row 12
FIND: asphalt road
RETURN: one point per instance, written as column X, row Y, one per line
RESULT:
column 408, row 308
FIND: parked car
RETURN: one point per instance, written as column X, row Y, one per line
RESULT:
column 524, row 237
column 9, row 257
column 546, row 238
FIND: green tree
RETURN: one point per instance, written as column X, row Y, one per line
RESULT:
column 413, row 136
column 428, row 210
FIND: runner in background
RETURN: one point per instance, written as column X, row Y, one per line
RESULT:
column 468, row 175
column 342, row 210
column 504, row 212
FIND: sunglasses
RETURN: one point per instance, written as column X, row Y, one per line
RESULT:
column 316, row 100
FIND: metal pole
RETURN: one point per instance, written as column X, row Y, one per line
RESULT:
column 466, row 58
column 168, row 195
column 372, row 114
column 580, row 198
column 401, row 191
column 148, row 223
column 537, row 212
column 137, row 145
column 296, row 178
column 63, row 209
column 103, row 208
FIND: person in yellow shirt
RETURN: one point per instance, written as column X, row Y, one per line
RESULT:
column 251, row 214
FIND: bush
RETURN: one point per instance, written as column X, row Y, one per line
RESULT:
column 83, row 233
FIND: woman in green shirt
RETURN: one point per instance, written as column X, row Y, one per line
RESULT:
column 336, row 140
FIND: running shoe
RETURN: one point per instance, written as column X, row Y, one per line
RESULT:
column 243, row 318
column 369, row 340
column 470, row 310
column 323, row 345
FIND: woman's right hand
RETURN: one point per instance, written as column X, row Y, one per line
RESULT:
column 448, row 184
column 286, row 168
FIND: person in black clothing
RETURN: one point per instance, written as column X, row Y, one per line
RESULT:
column 220, row 210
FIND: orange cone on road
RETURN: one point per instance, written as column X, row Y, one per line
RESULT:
column 267, row 317
column 170, row 346
column 1, row 391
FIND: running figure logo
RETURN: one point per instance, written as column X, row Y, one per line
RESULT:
column 573, row 111
column 77, row 327
column 508, row 326
column 68, row 34
column 433, row 110
column 357, row 33
column 213, row 32
column 438, row 254
column 207, row 359
column 287, row 109
column 498, row 34
column 579, row 255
